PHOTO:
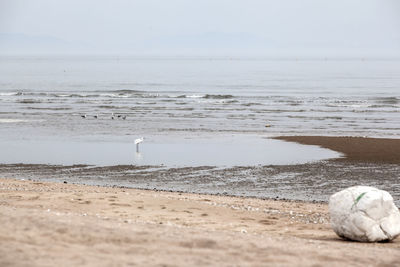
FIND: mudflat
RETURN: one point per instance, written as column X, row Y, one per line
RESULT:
column 56, row 224
column 374, row 150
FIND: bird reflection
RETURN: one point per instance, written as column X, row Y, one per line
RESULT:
column 138, row 156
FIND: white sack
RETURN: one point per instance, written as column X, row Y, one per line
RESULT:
column 364, row 213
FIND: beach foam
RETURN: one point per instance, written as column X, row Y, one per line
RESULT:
column 12, row 120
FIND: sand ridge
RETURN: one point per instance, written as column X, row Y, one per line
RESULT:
column 47, row 224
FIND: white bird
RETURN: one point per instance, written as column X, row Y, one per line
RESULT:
column 137, row 142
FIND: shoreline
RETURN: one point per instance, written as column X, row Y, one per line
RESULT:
column 302, row 182
column 45, row 223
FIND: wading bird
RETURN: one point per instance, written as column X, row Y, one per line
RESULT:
column 137, row 142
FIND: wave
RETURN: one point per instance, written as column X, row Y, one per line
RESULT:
column 29, row 101
column 349, row 105
column 126, row 91
column 49, row 108
column 110, row 107
column 191, row 96
column 108, row 95
column 223, row 101
column 10, row 93
column 384, row 106
column 112, row 95
column 57, row 95
column 115, row 94
column 11, row 120
column 146, row 103
column 207, row 96
column 388, row 100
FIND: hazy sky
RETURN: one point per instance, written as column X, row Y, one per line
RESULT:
column 202, row 26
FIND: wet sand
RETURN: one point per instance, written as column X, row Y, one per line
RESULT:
column 375, row 150
column 55, row 224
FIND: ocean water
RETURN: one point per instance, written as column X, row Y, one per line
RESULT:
column 171, row 100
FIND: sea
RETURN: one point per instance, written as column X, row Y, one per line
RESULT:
column 206, row 121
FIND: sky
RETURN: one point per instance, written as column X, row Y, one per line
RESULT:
column 202, row 27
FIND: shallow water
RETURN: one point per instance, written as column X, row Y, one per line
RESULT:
column 227, row 152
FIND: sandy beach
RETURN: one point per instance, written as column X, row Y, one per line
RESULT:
column 54, row 224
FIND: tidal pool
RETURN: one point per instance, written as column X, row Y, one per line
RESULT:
column 224, row 152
